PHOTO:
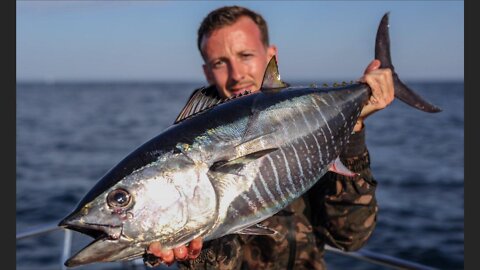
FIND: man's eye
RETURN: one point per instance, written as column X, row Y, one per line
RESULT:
column 247, row 55
column 218, row 64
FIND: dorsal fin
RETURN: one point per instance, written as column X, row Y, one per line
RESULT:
column 271, row 78
column 201, row 99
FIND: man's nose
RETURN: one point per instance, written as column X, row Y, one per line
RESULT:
column 236, row 71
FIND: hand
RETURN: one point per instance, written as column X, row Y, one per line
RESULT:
column 380, row 81
column 181, row 253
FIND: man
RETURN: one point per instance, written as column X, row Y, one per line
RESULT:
column 339, row 211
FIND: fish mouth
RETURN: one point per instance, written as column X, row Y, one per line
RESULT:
column 109, row 244
column 77, row 222
column 97, row 231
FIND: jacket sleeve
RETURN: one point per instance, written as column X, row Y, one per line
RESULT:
column 344, row 209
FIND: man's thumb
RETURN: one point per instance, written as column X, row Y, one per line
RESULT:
column 375, row 64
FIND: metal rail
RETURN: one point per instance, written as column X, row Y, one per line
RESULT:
column 363, row 254
column 380, row 259
column 37, row 230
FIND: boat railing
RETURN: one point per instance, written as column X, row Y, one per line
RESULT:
column 363, row 254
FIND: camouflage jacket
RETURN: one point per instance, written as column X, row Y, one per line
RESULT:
column 339, row 211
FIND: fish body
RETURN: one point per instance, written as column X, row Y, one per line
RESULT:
column 221, row 169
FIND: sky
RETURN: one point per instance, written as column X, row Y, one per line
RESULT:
column 156, row 40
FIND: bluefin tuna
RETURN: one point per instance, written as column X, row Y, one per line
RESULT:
column 225, row 165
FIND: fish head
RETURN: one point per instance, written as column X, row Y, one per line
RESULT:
column 143, row 207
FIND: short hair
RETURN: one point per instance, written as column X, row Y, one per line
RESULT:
column 228, row 15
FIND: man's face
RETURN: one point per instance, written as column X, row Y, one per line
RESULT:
column 235, row 57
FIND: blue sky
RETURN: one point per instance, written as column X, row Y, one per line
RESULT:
column 156, row 40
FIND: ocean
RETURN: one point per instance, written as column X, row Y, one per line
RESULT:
column 68, row 135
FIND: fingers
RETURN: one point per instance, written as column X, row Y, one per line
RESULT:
column 195, row 247
column 381, row 83
column 180, row 253
column 375, row 64
column 168, row 256
column 388, row 91
column 155, row 248
column 377, row 89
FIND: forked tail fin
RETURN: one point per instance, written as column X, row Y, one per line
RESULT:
column 402, row 92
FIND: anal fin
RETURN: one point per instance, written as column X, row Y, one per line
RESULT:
column 257, row 229
column 338, row 167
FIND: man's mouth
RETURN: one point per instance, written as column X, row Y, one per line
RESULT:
column 241, row 90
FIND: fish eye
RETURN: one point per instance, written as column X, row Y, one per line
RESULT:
column 118, row 198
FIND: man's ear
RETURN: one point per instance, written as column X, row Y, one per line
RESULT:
column 271, row 51
column 207, row 73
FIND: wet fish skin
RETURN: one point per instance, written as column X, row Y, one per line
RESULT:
column 183, row 193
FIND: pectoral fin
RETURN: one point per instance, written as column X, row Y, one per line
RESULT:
column 235, row 165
